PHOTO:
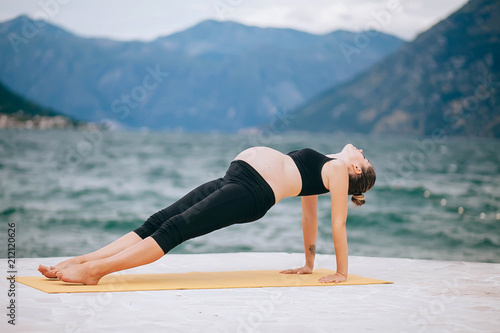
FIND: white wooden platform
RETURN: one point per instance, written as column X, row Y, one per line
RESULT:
column 427, row 296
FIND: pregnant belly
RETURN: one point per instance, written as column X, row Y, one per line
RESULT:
column 277, row 169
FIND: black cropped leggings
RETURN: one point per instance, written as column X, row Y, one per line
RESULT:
column 241, row 196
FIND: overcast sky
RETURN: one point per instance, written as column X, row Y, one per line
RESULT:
column 148, row 19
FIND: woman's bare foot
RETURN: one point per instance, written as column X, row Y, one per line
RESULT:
column 51, row 271
column 83, row 273
column 48, row 272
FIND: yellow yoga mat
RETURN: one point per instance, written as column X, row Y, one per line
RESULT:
column 192, row 280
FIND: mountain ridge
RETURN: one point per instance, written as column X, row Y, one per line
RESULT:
column 17, row 112
column 237, row 78
column 408, row 94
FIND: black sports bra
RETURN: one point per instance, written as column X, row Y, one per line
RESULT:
column 310, row 162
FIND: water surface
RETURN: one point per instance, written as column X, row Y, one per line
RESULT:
column 72, row 192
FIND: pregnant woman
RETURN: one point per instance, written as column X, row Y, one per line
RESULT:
column 257, row 179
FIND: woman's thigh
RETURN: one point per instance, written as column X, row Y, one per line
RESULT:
column 230, row 204
column 178, row 207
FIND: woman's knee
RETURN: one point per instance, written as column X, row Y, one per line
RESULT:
column 151, row 224
column 170, row 234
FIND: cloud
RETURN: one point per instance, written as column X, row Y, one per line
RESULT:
column 325, row 16
column 148, row 19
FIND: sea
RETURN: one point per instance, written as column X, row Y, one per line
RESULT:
column 64, row 193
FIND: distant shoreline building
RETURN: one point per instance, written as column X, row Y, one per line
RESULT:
column 20, row 120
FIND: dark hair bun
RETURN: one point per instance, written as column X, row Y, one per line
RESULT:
column 358, row 199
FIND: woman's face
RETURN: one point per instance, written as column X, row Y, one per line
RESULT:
column 355, row 156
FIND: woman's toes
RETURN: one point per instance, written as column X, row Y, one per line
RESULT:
column 46, row 271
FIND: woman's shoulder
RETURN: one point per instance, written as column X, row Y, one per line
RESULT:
column 336, row 163
column 337, row 175
column 336, row 168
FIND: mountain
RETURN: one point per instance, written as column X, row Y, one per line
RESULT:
column 11, row 103
column 213, row 76
column 16, row 111
column 445, row 81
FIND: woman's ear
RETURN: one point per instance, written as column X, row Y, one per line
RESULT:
column 357, row 169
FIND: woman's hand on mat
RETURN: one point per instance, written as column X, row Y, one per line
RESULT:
column 302, row 270
column 335, row 278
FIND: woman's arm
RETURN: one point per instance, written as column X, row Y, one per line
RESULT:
column 310, row 233
column 338, row 185
column 310, row 227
